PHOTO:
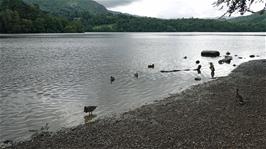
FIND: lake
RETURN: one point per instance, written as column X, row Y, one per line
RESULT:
column 49, row 78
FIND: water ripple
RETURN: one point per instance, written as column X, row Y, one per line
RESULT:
column 48, row 79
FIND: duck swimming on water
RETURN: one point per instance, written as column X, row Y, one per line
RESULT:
column 151, row 66
column 136, row 75
column 112, row 79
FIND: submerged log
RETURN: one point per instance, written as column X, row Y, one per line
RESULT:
column 169, row 71
column 210, row 53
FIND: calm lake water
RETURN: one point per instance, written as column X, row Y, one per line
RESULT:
column 49, row 78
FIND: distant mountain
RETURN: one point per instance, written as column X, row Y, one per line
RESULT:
column 69, row 8
column 254, row 18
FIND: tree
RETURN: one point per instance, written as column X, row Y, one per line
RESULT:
column 241, row 6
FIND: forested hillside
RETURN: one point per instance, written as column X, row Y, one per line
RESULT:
column 122, row 23
column 254, row 18
column 69, row 8
column 18, row 17
column 60, row 16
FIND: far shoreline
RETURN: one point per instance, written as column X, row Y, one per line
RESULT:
column 15, row 35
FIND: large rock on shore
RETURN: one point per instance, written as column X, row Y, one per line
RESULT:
column 210, row 53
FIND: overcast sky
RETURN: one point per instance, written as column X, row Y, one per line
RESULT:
column 166, row 8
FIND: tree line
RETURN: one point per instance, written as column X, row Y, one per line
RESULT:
column 19, row 17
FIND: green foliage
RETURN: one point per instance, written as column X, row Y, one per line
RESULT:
column 127, row 23
column 254, row 18
column 74, row 27
column 69, row 8
column 18, row 17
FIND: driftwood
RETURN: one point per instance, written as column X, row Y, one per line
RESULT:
column 169, row 71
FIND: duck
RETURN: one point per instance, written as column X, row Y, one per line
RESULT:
column 136, row 75
column 89, row 109
column 112, row 79
column 197, row 62
column 151, row 66
column 198, row 69
column 239, row 97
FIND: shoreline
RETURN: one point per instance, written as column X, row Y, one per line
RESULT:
column 204, row 116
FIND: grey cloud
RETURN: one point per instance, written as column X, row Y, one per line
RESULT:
column 113, row 3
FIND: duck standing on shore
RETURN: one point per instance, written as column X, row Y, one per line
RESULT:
column 89, row 109
column 212, row 70
column 239, row 97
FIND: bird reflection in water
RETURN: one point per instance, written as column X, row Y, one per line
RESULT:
column 89, row 118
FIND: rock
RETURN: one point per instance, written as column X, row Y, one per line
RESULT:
column 198, row 79
column 252, row 56
column 228, row 53
column 226, row 59
column 197, row 62
column 6, row 144
column 7, row 141
column 210, row 53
